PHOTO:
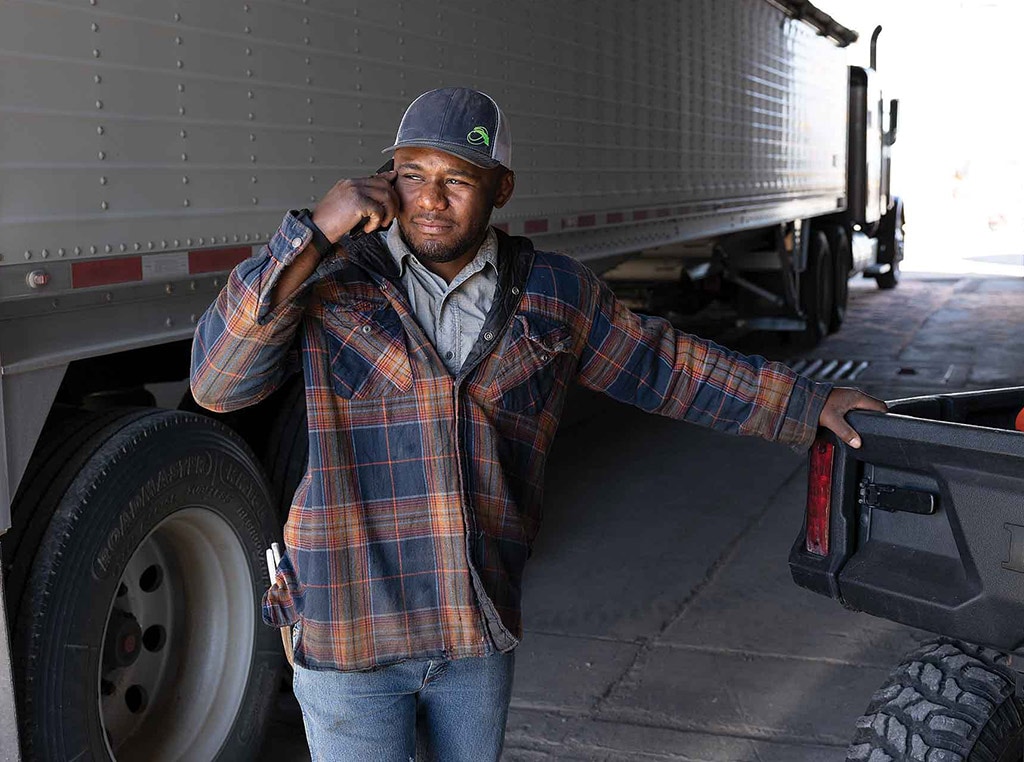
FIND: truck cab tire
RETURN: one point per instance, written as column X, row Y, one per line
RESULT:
column 947, row 701
column 890, row 245
column 817, row 291
column 139, row 634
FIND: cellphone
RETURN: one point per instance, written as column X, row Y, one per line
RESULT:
column 357, row 231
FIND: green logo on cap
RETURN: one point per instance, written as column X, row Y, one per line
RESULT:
column 478, row 135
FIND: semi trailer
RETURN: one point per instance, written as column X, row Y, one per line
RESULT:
column 147, row 148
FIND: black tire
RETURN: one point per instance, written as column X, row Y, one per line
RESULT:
column 172, row 652
column 287, row 450
column 817, row 287
column 890, row 245
column 842, row 258
column 947, row 702
column 59, row 455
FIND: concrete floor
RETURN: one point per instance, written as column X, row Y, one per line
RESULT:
column 662, row 623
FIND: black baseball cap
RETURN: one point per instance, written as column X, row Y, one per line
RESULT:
column 463, row 122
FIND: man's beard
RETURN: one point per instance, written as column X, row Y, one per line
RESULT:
column 432, row 250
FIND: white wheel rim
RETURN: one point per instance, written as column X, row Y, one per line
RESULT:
column 189, row 576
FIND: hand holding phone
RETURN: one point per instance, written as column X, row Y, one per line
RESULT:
column 359, row 230
column 358, row 206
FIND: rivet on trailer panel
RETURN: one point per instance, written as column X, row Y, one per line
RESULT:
column 92, row 249
column 107, row 248
column 253, row 179
column 188, row 241
column 95, row 53
column 99, row 130
column 193, row 318
column 169, row 322
column 60, row 252
column 103, row 180
column 169, row 288
column 108, row 297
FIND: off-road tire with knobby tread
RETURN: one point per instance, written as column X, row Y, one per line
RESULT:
column 947, row 702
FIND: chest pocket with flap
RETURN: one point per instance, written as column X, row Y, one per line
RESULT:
column 367, row 351
column 530, row 363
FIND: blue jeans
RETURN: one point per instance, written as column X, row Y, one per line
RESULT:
column 447, row 710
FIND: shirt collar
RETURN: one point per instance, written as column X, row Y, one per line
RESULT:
column 403, row 256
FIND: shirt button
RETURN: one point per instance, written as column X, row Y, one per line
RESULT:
column 545, row 358
column 450, row 355
column 383, row 286
column 296, row 242
column 515, row 290
column 367, row 329
column 488, row 336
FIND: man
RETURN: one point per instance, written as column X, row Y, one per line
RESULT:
column 437, row 353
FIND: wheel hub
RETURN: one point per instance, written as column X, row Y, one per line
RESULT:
column 123, row 642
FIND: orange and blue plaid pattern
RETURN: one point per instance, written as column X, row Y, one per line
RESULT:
column 408, row 534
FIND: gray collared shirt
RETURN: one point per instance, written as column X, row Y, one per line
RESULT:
column 450, row 314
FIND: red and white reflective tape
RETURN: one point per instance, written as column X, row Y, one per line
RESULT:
column 148, row 267
column 538, row 225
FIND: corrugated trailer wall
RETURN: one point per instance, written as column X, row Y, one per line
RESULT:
column 133, row 127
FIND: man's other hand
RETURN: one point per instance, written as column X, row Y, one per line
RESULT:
column 841, row 401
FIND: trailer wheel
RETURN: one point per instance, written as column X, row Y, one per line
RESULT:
column 839, row 242
column 949, row 702
column 817, row 288
column 890, row 241
column 139, row 634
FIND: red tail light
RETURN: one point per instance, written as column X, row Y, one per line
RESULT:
column 819, row 497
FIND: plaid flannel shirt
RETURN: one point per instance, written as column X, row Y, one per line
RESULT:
column 409, row 531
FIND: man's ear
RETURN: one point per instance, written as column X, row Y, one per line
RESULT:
column 506, row 184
